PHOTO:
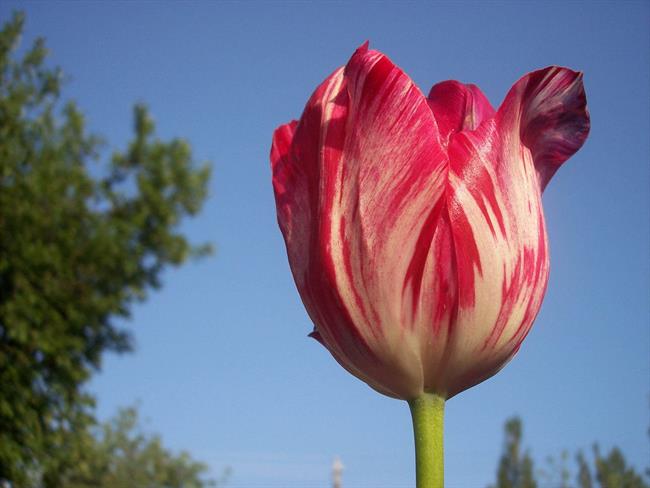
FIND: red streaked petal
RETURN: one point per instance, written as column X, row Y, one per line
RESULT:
column 391, row 188
column 497, row 173
column 372, row 174
column 501, row 251
column 301, row 181
column 304, row 180
column 296, row 164
column 458, row 107
column 548, row 109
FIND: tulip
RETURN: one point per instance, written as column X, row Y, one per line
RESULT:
column 414, row 225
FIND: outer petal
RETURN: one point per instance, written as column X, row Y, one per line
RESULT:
column 298, row 160
column 458, row 107
column 374, row 175
column 496, row 176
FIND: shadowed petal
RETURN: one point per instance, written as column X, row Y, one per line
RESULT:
column 302, row 157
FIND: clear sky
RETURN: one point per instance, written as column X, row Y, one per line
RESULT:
column 223, row 366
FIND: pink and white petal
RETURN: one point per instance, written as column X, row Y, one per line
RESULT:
column 501, row 251
column 497, row 174
column 441, row 283
column 303, row 155
column 372, row 176
column 458, row 107
column 390, row 191
column 548, row 108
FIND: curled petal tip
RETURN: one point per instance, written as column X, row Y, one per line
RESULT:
column 556, row 121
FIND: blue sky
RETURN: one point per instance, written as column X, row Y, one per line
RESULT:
column 223, row 366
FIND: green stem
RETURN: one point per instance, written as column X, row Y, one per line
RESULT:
column 428, row 413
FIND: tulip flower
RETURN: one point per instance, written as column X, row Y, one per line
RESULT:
column 414, row 225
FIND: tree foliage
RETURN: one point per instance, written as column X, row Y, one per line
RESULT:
column 515, row 466
column 120, row 454
column 612, row 471
column 80, row 242
column 609, row 471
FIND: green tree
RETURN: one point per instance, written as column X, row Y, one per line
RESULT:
column 515, row 466
column 516, row 470
column 79, row 244
column 557, row 473
column 612, row 471
column 120, row 454
column 584, row 477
